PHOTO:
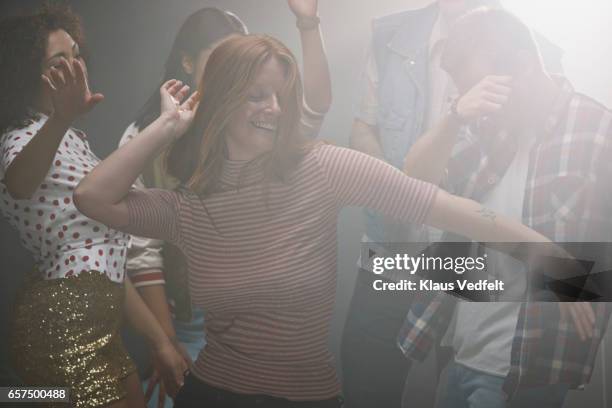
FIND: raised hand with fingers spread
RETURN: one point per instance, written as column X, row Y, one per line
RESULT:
column 181, row 111
column 69, row 90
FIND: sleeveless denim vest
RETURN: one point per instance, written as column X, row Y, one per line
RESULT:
column 400, row 46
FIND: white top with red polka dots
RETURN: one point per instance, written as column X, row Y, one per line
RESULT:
column 62, row 240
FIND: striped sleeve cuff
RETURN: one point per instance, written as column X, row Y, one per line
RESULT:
column 148, row 277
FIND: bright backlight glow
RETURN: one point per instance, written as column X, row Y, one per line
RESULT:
column 584, row 32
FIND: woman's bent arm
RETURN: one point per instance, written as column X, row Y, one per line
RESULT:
column 100, row 195
column 29, row 168
column 71, row 98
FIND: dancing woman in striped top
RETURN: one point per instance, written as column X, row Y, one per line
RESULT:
column 256, row 220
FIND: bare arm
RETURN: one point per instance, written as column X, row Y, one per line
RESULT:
column 470, row 219
column 141, row 318
column 356, row 179
column 428, row 157
column 154, row 297
column 100, row 195
column 317, row 81
column 71, row 98
column 145, row 260
column 144, row 267
column 29, row 168
column 364, row 138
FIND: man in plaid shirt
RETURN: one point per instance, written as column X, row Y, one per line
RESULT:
column 516, row 126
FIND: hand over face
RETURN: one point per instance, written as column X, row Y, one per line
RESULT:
column 69, row 90
column 486, row 98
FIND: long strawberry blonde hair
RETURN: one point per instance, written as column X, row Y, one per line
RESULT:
column 197, row 158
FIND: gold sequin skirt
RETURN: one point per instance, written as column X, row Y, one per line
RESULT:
column 66, row 333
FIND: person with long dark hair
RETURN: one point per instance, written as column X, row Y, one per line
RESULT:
column 158, row 270
column 66, row 322
column 256, row 220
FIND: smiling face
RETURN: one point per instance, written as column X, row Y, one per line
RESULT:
column 252, row 129
column 250, row 104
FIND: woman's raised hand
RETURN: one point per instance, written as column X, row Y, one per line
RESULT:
column 303, row 8
column 69, row 90
column 179, row 110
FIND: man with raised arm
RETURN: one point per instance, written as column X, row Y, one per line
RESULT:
column 404, row 93
column 523, row 143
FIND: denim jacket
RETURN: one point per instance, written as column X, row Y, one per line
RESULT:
column 400, row 50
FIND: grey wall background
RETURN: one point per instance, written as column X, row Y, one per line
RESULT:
column 128, row 42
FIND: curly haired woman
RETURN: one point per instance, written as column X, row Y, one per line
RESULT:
column 66, row 324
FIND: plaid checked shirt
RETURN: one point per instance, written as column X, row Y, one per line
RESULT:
column 568, row 198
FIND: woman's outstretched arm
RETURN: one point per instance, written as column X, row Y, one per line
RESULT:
column 101, row 194
column 357, row 179
column 471, row 219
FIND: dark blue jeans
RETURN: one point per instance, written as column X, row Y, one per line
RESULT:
column 198, row 394
column 467, row 388
column 374, row 369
